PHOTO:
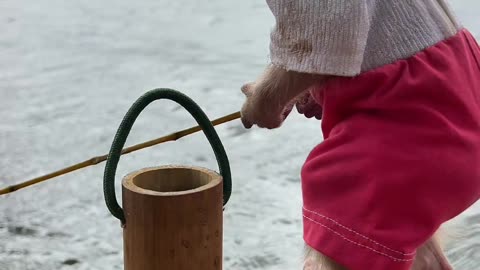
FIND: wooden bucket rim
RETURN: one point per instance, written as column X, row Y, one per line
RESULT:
column 214, row 180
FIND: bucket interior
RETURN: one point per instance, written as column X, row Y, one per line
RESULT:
column 172, row 179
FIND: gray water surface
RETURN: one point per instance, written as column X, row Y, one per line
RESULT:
column 69, row 70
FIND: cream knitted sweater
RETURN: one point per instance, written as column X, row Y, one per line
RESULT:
column 348, row 37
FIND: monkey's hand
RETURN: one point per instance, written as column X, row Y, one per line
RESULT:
column 259, row 110
column 307, row 106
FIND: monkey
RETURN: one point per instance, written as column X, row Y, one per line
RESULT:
column 273, row 92
column 348, row 63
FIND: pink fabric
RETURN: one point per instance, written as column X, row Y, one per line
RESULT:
column 400, row 156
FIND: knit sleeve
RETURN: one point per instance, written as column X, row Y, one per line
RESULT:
column 320, row 36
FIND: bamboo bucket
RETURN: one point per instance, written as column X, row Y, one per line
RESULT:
column 174, row 219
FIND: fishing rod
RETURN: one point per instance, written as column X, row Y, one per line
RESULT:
column 99, row 159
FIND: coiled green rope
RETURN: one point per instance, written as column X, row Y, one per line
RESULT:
column 126, row 126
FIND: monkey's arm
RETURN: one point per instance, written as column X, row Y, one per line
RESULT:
column 280, row 86
column 312, row 39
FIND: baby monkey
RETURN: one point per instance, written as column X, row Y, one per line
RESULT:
column 395, row 84
column 269, row 101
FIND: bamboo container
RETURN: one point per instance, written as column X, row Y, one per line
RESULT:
column 174, row 219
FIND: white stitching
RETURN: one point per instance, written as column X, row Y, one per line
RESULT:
column 350, row 230
column 381, row 253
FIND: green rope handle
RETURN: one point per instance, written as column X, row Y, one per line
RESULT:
column 125, row 127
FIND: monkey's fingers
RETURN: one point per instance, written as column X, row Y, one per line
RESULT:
column 247, row 89
column 247, row 123
column 287, row 110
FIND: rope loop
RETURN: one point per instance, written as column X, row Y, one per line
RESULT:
column 125, row 127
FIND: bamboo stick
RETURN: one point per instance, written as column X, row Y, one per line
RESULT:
column 96, row 160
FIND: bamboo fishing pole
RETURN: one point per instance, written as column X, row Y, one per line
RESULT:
column 96, row 160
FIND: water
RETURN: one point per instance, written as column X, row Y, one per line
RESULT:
column 69, row 70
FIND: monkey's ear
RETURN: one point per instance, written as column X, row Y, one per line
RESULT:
column 247, row 89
